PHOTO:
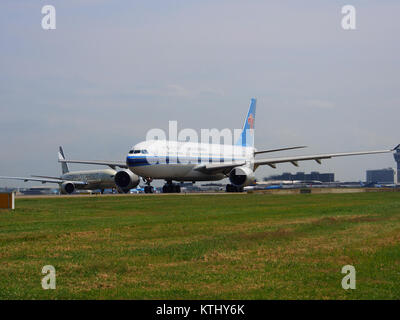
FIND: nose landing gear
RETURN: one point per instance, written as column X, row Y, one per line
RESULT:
column 148, row 188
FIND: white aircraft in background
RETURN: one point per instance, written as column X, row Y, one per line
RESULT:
column 77, row 180
column 276, row 184
column 164, row 159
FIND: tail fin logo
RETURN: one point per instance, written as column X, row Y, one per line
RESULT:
column 250, row 121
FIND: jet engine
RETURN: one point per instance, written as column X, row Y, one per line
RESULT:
column 242, row 176
column 126, row 180
column 67, row 187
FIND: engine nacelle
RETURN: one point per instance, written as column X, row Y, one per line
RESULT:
column 242, row 176
column 67, row 187
column 126, row 180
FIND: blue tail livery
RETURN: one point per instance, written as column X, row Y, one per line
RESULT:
column 246, row 138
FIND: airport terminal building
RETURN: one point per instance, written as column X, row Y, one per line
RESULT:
column 301, row 176
column 381, row 176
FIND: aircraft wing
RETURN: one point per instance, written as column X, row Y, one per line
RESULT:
column 294, row 160
column 111, row 164
column 46, row 177
column 43, row 180
column 219, row 167
column 280, row 149
column 226, row 167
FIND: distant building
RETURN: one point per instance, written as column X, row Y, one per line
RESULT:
column 380, row 176
column 301, row 176
column 39, row 190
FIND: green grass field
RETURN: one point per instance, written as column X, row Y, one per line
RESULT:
column 241, row 246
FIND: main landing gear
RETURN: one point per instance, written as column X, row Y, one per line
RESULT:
column 233, row 188
column 148, row 188
column 170, row 187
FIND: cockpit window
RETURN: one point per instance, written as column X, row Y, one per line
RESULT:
column 138, row 151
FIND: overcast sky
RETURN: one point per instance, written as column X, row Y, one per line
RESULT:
column 112, row 70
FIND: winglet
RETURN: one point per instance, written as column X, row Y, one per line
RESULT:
column 396, row 148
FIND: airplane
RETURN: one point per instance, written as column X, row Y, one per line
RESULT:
column 70, row 181
column 163, row 159
column 138, row 189
column 263, row 187
column 278, row 184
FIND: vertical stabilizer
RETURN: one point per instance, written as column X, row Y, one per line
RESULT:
column 246, row 138
column 64, row 166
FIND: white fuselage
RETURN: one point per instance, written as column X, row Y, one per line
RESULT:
column 96, row 179
column 172, row 160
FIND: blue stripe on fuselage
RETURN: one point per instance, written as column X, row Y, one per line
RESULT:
column 136, row 161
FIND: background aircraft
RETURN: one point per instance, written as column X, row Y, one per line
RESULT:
column 70, row 181
column 278, row 184
column 189, row 161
